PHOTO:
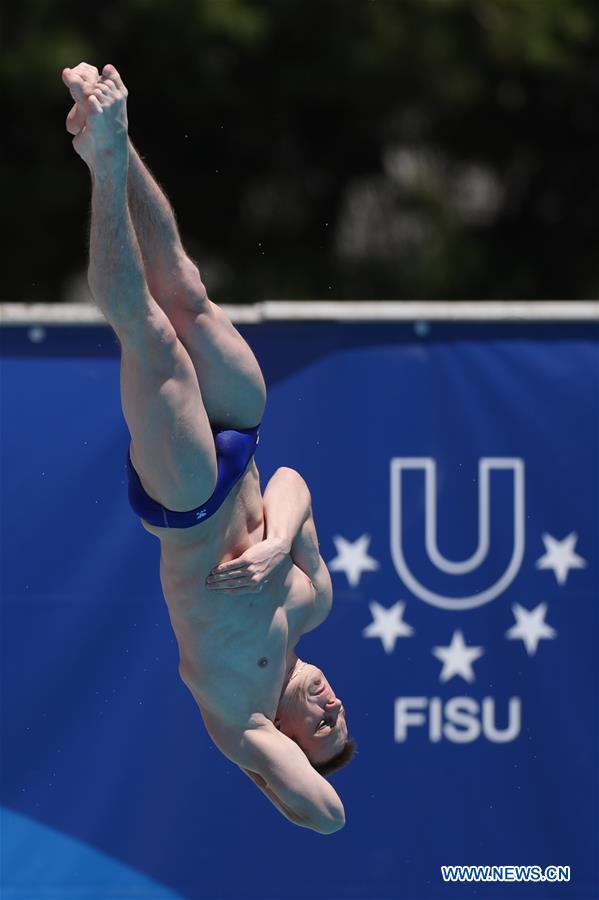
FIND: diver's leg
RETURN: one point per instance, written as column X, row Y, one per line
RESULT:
column 172, row 447
column 229, row 376
column 228, row 373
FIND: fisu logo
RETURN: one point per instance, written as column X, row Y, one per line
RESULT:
column 464, row 648
column 459, row 719
column 450, row 567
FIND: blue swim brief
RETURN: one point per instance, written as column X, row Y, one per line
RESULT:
column 234, row 450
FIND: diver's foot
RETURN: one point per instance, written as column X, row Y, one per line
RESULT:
column 103, row 139
column 80, row 81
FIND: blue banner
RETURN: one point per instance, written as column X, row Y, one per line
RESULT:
column 454, row 477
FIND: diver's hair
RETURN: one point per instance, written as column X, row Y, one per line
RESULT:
column 345, row 755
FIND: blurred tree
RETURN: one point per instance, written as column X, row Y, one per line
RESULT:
column 346, row 149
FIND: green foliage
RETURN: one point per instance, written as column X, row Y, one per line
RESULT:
column 323, row 148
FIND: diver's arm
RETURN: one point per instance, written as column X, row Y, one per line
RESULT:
column 289, row 519
column 282, row 771
column 287, row 812
column 305, row 553
column 286, row 504
column 288, row 512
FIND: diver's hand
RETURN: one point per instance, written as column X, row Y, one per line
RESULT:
column 251, row 571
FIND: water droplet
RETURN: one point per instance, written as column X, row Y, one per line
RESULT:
column 36, row 335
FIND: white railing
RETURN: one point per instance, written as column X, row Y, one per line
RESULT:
column 344, row 311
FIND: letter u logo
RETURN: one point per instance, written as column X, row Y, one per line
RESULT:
column 450, row 567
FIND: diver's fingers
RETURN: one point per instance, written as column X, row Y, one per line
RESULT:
column 237, row 587
column 228, row 585
column 225, row 576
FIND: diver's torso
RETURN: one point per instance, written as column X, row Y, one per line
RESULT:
column 235, row 649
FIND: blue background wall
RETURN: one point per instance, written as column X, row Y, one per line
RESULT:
column 110, row 785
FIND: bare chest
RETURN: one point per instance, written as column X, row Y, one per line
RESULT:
column 236, row 649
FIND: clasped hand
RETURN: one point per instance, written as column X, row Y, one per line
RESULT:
column 249, row 572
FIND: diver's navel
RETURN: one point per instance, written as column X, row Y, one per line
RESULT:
column 263, row 661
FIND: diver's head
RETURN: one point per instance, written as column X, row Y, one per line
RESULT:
column 312, row 715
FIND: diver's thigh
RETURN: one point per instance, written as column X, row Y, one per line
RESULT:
column 172, row 444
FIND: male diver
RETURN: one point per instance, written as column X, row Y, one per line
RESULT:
column 193, row 395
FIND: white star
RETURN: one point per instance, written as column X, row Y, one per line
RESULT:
column 388, row 624
column 457, row 658
column 560, row 556
column 530, row 626
column 353, row 559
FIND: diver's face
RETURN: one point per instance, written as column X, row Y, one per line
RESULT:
column 310, row 713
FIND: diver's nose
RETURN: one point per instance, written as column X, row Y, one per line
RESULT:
column 334, row 705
